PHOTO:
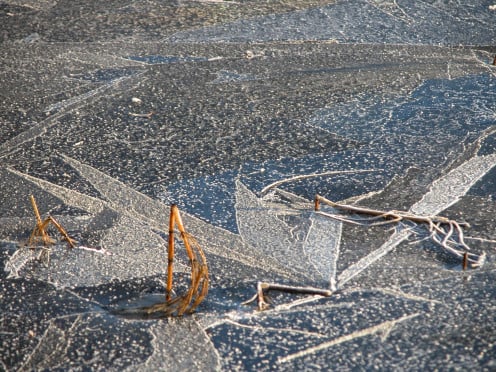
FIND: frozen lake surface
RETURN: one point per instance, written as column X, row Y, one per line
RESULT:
column 240, row 112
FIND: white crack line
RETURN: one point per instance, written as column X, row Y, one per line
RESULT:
column 384, row 327
column 262, row 329
column 399, row 293
column 62, row 108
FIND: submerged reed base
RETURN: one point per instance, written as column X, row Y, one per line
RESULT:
column 187, row 302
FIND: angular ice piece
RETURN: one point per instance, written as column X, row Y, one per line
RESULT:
column 322, row 246
column 313, row 256
column 259, row 226
column 447, row 190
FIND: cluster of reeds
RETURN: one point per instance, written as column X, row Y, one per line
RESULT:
column 173, row 306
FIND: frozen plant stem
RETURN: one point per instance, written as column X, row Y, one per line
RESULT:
column 306, row 176
column 199, row 272
column 442, row 229
column 40, row 229
column 263, row 288
column 170, row 256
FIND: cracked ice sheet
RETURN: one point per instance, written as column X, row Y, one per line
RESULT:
column 305, row 148
column 84, row 310
column 121, row 204
column 384, row 325
column 62, row 85
column 307, row 347
column 70, row 332
column 422, row 260
column 398, row 22
column 396, row 336
column 282, row 333
column 443, row 193
column 62, row 337
column 113, row 225
column 437, row 341
column 128, row 20
column 413, row 337
column 392, row 133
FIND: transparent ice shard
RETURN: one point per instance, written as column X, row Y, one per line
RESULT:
column 260, row 227
column 121, row 196
column 125, row 254
column 311, row 252
column 358, row 267
column 322, row 246
column 183, row 345
column 19, row 260
column 384, row 328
